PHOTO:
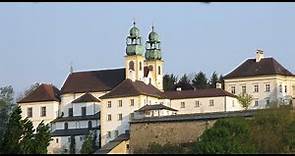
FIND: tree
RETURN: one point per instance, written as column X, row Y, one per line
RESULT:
column 169, row 81
column 226, row 136
column 200, row 81
column 87, row 146
column 19, row 137
column 213, row 80
column 6, row 105
column 73, row 145
column 245, row 100
column 27, row 142
column 273, row 130
column 13, row 133
column 42, row 138
column 184, row 83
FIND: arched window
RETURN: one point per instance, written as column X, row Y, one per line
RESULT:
column 66, row 125
column 159, row 70
column 140, row 66
column 89, row 124
column 150, row 68
column 131, row 65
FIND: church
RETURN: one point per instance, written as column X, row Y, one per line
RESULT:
column 102, row 102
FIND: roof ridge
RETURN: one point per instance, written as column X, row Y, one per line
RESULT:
column 112, row 69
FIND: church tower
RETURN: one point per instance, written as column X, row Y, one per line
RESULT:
column 154, row 60
column 134, row 59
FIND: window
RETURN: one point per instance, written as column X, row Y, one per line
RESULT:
column 211, row 102
column 70, row 111
column 83, row 111
column 81, row 138
column 30, row 112
column 233, row 103
column 109, row 104
column 267, row 87
column 132, row 102
column 285, row 89
column 131, row 65
column 197, row 103
column 120, row 116
column 244, row 89
column 256, row 103
column 131, row 115
column 116, row 133
column 182, row 105
column 267, row 102
column 109, row 134
column 280, row 88
column 127, row 146
column 109, row 118
column 120, row 103
column 147, row 113
column 256, row 89
column 150, row 68
column 140, row 66
column 159, row 70
column 69, row 139
column 43, row 111
column 233, row 90
column 56, row 140
column 89, row 124
column 66, row 125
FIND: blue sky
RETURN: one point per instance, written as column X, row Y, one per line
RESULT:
column 38, row 41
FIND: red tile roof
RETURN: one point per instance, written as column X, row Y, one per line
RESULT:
column 198, row 93
column 87, row 97
column 45, row 92
column 130, row 88
column 93, row 81
column 266, row 66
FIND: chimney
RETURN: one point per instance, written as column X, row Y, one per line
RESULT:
column 218, row 85
column 178, row 89
column 259, row 55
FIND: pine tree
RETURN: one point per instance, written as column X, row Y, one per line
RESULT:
column 42, row 138
column 87, row 146
column 213, row 80
column 72, row 145
column 6, row 104
column 27, row 142
column 13, row 133
column 169, row 81
column 200, row 81
column 184, row 83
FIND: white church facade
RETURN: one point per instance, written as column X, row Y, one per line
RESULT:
column 103, row 102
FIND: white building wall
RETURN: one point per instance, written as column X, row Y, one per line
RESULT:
column 262, row 95
column 51, row 111
column 125, row 110
column 190, row 105
column 66, row 100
